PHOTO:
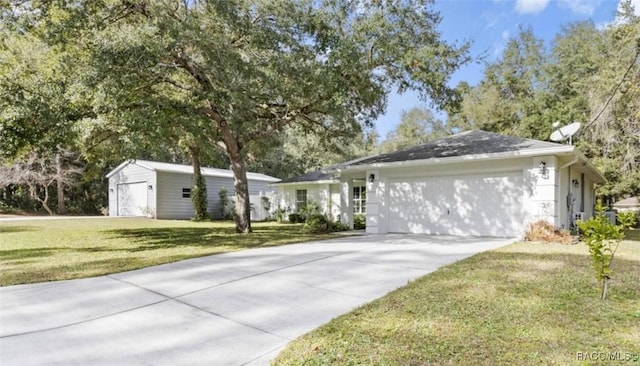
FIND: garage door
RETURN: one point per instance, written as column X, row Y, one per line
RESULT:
column 132, row 199
column 488, row 205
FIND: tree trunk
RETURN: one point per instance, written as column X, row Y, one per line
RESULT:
column 199, row 190
column 233, row 147
column 241, row 186
column 33, row 190
column 605, row 286
column 60, row 184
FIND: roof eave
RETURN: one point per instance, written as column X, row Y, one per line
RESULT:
column 591, row 168
column 325, row 181
column 124, row 164
column 457, row 159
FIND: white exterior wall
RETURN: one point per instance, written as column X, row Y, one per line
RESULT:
column 335, row 201
column 317, row 193
column 541, row 199
column 132, row 174
column 376, row 222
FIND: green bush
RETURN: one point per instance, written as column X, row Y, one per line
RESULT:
column 336, row 226
column 296, row 218
column 312, row 208
column 359, row 222
column 199, row 199
column 628, row 218
column 317, row 223
column 280, row 213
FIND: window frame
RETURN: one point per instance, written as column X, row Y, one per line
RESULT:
column 186, row 192
column 300, row 204
column 359, row 199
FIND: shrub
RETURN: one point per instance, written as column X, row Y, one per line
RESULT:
column 312, row 208
column 317, row 223
column 359, row 222
column 280, row 213
column 336, row 226
column 628, row 218
column 199, row 199
column 296, row 218
column 545, row 232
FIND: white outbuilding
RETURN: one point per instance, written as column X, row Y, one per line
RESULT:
column 163, row 190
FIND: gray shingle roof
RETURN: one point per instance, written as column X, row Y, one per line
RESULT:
column 466, row 143
column 315, row 176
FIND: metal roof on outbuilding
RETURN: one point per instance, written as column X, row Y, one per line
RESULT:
column 188, row 169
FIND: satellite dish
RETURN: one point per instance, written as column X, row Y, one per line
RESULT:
column 565, row 133
column 555, row 124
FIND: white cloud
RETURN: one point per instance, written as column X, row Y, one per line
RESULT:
column 583, row 7
column 531, row 6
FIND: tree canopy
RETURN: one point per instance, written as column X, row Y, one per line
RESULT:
column 283, row 87
column 239, row 74
column 587, row 75
column 417, row 126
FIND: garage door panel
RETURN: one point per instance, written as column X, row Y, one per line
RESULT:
column 132, row 199
column 406, row 215
column 477, row 205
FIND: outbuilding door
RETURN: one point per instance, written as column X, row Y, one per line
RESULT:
column 132, row 199
column 479, row 205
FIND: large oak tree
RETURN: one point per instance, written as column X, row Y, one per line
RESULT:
column 236, row 73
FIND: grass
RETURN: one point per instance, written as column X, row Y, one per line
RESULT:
column 526, row 303
column 49, row 250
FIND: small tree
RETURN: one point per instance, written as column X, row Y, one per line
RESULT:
column 266, row 205
column 603, row 238
column 38, row 173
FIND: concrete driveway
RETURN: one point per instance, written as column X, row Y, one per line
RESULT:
column 238, row 308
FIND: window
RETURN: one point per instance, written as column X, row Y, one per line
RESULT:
column 359, row 200
column 301, row 199
column 186, row 192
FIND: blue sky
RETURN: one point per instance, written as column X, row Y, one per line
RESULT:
column 489, row 24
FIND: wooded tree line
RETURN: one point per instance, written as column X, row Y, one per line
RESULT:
column 586, row 74
column 282, row 87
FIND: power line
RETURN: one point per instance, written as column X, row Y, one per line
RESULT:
column 615, row 90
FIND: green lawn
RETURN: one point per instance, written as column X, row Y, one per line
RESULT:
column 526, row 303
column 48, row 250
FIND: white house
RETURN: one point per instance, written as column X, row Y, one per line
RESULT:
column 163, row 190
column 473, row 183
